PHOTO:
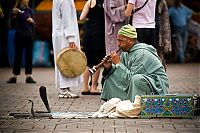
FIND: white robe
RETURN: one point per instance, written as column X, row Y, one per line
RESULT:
column 64, row 30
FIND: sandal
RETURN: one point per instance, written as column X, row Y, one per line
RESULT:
column 85, row 93
column 95, row 93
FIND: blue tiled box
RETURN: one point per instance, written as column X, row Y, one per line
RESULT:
column 171, row 105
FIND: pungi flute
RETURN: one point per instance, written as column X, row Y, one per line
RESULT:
column 95, row 68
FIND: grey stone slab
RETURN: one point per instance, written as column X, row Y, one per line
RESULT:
column 183, row 78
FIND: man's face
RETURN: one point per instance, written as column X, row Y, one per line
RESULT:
column 124, row 42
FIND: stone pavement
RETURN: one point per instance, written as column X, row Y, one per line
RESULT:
column 14, row 97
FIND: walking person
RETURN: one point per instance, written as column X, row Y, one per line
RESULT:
column 93, row 42
column 65, row 33
column 143, row 19
column 180, row 16
column 148, row 17
column 163, row 30
column 1, row 12
column 114, row 19
column 24, row 18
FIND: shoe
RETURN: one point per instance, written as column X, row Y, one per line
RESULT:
column 68, row 94
column 30, row 80
column 12, row 80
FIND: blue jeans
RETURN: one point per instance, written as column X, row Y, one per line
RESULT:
column 181, row 36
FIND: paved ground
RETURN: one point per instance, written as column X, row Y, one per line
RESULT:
column 14, row 97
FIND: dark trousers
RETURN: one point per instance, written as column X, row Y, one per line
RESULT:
column 3, row 43
column 150, row 36
column 23, row 41
column 146, row 35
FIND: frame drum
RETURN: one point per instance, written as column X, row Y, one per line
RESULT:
column 71, row 62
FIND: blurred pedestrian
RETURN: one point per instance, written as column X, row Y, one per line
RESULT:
column 163, row 31
column 1, row 12
column 179, row 17
column 65, row 33
column 93, row 42
column 6, row 7
column 194, row 32
column 114, row 20
column 23, row 15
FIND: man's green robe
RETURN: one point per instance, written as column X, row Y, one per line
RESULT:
column 139, row 73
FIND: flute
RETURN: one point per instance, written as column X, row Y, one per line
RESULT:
column 95, row 68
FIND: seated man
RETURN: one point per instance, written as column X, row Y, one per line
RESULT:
column 138, row 71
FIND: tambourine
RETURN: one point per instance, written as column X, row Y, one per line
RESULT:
column 71, row 62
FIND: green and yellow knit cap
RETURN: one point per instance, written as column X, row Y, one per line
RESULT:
column 128, row 31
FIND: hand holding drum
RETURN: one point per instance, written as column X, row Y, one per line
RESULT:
column 71, row 62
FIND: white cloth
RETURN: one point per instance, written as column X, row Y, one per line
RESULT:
column 64, row 30
column 115, row 108
column 107, row 108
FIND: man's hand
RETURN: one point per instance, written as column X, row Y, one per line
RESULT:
column 107, row 62
column 115, row 58
column 72, row 45
column 129, row 9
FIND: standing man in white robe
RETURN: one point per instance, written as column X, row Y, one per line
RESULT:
column 65, row 33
